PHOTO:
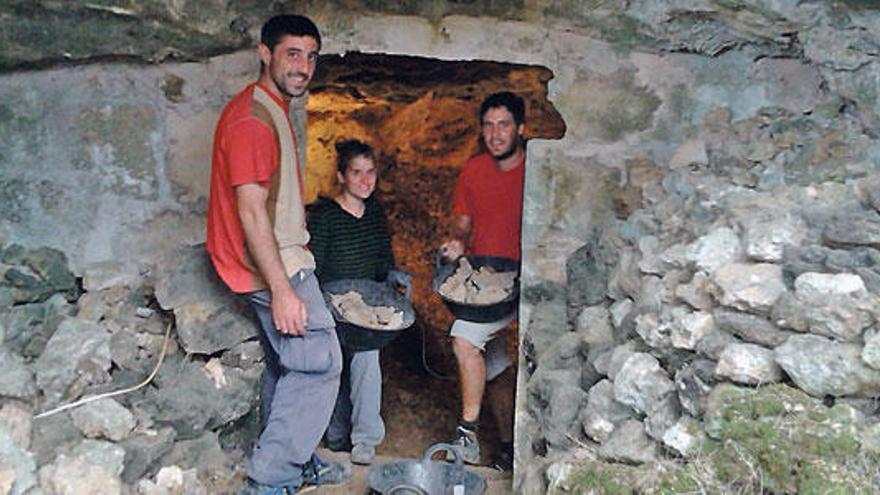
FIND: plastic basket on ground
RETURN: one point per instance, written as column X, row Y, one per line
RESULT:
column 478, row 313
column 426, row 477
column 358, row 336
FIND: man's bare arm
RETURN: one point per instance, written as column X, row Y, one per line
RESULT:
column 461, row 231
column 288, row 311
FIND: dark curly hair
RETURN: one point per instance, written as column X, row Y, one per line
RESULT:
column 348, row 150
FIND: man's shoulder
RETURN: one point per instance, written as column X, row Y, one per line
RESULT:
column 242, row 109
column 479, row 160
column 476, row 162
column 477, row 166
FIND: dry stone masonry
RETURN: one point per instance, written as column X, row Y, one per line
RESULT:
column 699, row 300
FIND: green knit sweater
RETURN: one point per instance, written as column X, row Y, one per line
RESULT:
column 345, row 246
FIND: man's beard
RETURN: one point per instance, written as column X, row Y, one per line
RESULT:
column 514, row 146
column 279, row 83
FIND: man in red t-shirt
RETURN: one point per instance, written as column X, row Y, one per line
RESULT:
column 257, row 241
column 487, row 208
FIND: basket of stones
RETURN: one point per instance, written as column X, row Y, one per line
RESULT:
column 480, row 289
column 368, row 314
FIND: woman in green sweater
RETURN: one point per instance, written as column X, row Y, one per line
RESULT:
column 350, row 239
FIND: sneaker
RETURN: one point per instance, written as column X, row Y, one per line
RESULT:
column 341, row 445
column 467, row 446
column 251, row 487
column 503, row 460
column 320, row 472
column 362, row 454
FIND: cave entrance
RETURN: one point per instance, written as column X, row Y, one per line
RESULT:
column 421, row 116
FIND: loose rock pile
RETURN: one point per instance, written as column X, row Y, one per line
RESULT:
column 183, row 433
column 726, row 337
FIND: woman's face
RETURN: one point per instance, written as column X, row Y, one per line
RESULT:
column 359, row 178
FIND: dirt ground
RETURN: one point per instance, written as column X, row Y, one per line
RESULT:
column 420, row 404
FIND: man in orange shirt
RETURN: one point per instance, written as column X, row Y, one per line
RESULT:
column 257, row 240
column 487, row 208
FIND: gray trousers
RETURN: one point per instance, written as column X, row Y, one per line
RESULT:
column 359, row 400
column 300, row 382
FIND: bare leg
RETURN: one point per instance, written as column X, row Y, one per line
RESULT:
column 472, row 374
column 500, row 398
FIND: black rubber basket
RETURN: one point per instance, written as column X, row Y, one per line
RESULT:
column 359, row 338
column 478, row 313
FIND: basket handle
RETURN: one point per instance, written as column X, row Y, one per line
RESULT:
column 398, row 279
column 433, row 449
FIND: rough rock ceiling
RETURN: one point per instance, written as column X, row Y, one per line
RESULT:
column 43, row 33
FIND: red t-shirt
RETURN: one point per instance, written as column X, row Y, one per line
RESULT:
column 245, row 152
column 493, row 200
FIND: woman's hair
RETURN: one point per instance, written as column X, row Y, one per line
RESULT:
column 348, row 150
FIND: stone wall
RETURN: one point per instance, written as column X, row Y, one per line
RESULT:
column 708, row 219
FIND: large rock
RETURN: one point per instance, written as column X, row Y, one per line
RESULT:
column 547, row 323
column 685, row 437
column 692, row 389
column 210, row 318
column 16, row 420
column 641, row 382
column 544, row 381
column 189, row 398
column 30, row 326
column 748, row 364
column 749, row 287
column 766, row 240
column 171, row 480
column 51, row 435
column 689, row 328
column 17, row 379
column 187, row 276
column 715, row 249
column 77, row 355
column 203, row 454
column 835, row 305
column 143, row 450
column 587, row 272
column 677, row 327
column 813, row 287
column 871, row 351
column 854, row 229
column 822, row 367
column 77, row 476
column 750, row 328
column 662, row 416
column 691, row 153
column 207, row 327
column 696, row 293
column 610, row 361
column 602, row 413
column 566, row 353
column 109, row 455
column 594, row 324
column 629, row 444
column 34, row 275
column 19, row 461
column 104, row 418
column 559, row 422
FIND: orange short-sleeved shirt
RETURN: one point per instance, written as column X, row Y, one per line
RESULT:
column 245, row 151
column 493, row 199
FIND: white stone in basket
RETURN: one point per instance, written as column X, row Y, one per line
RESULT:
column 352, row 307
column 482, row 287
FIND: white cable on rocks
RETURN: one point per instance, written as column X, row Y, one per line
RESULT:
column 93, row 398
